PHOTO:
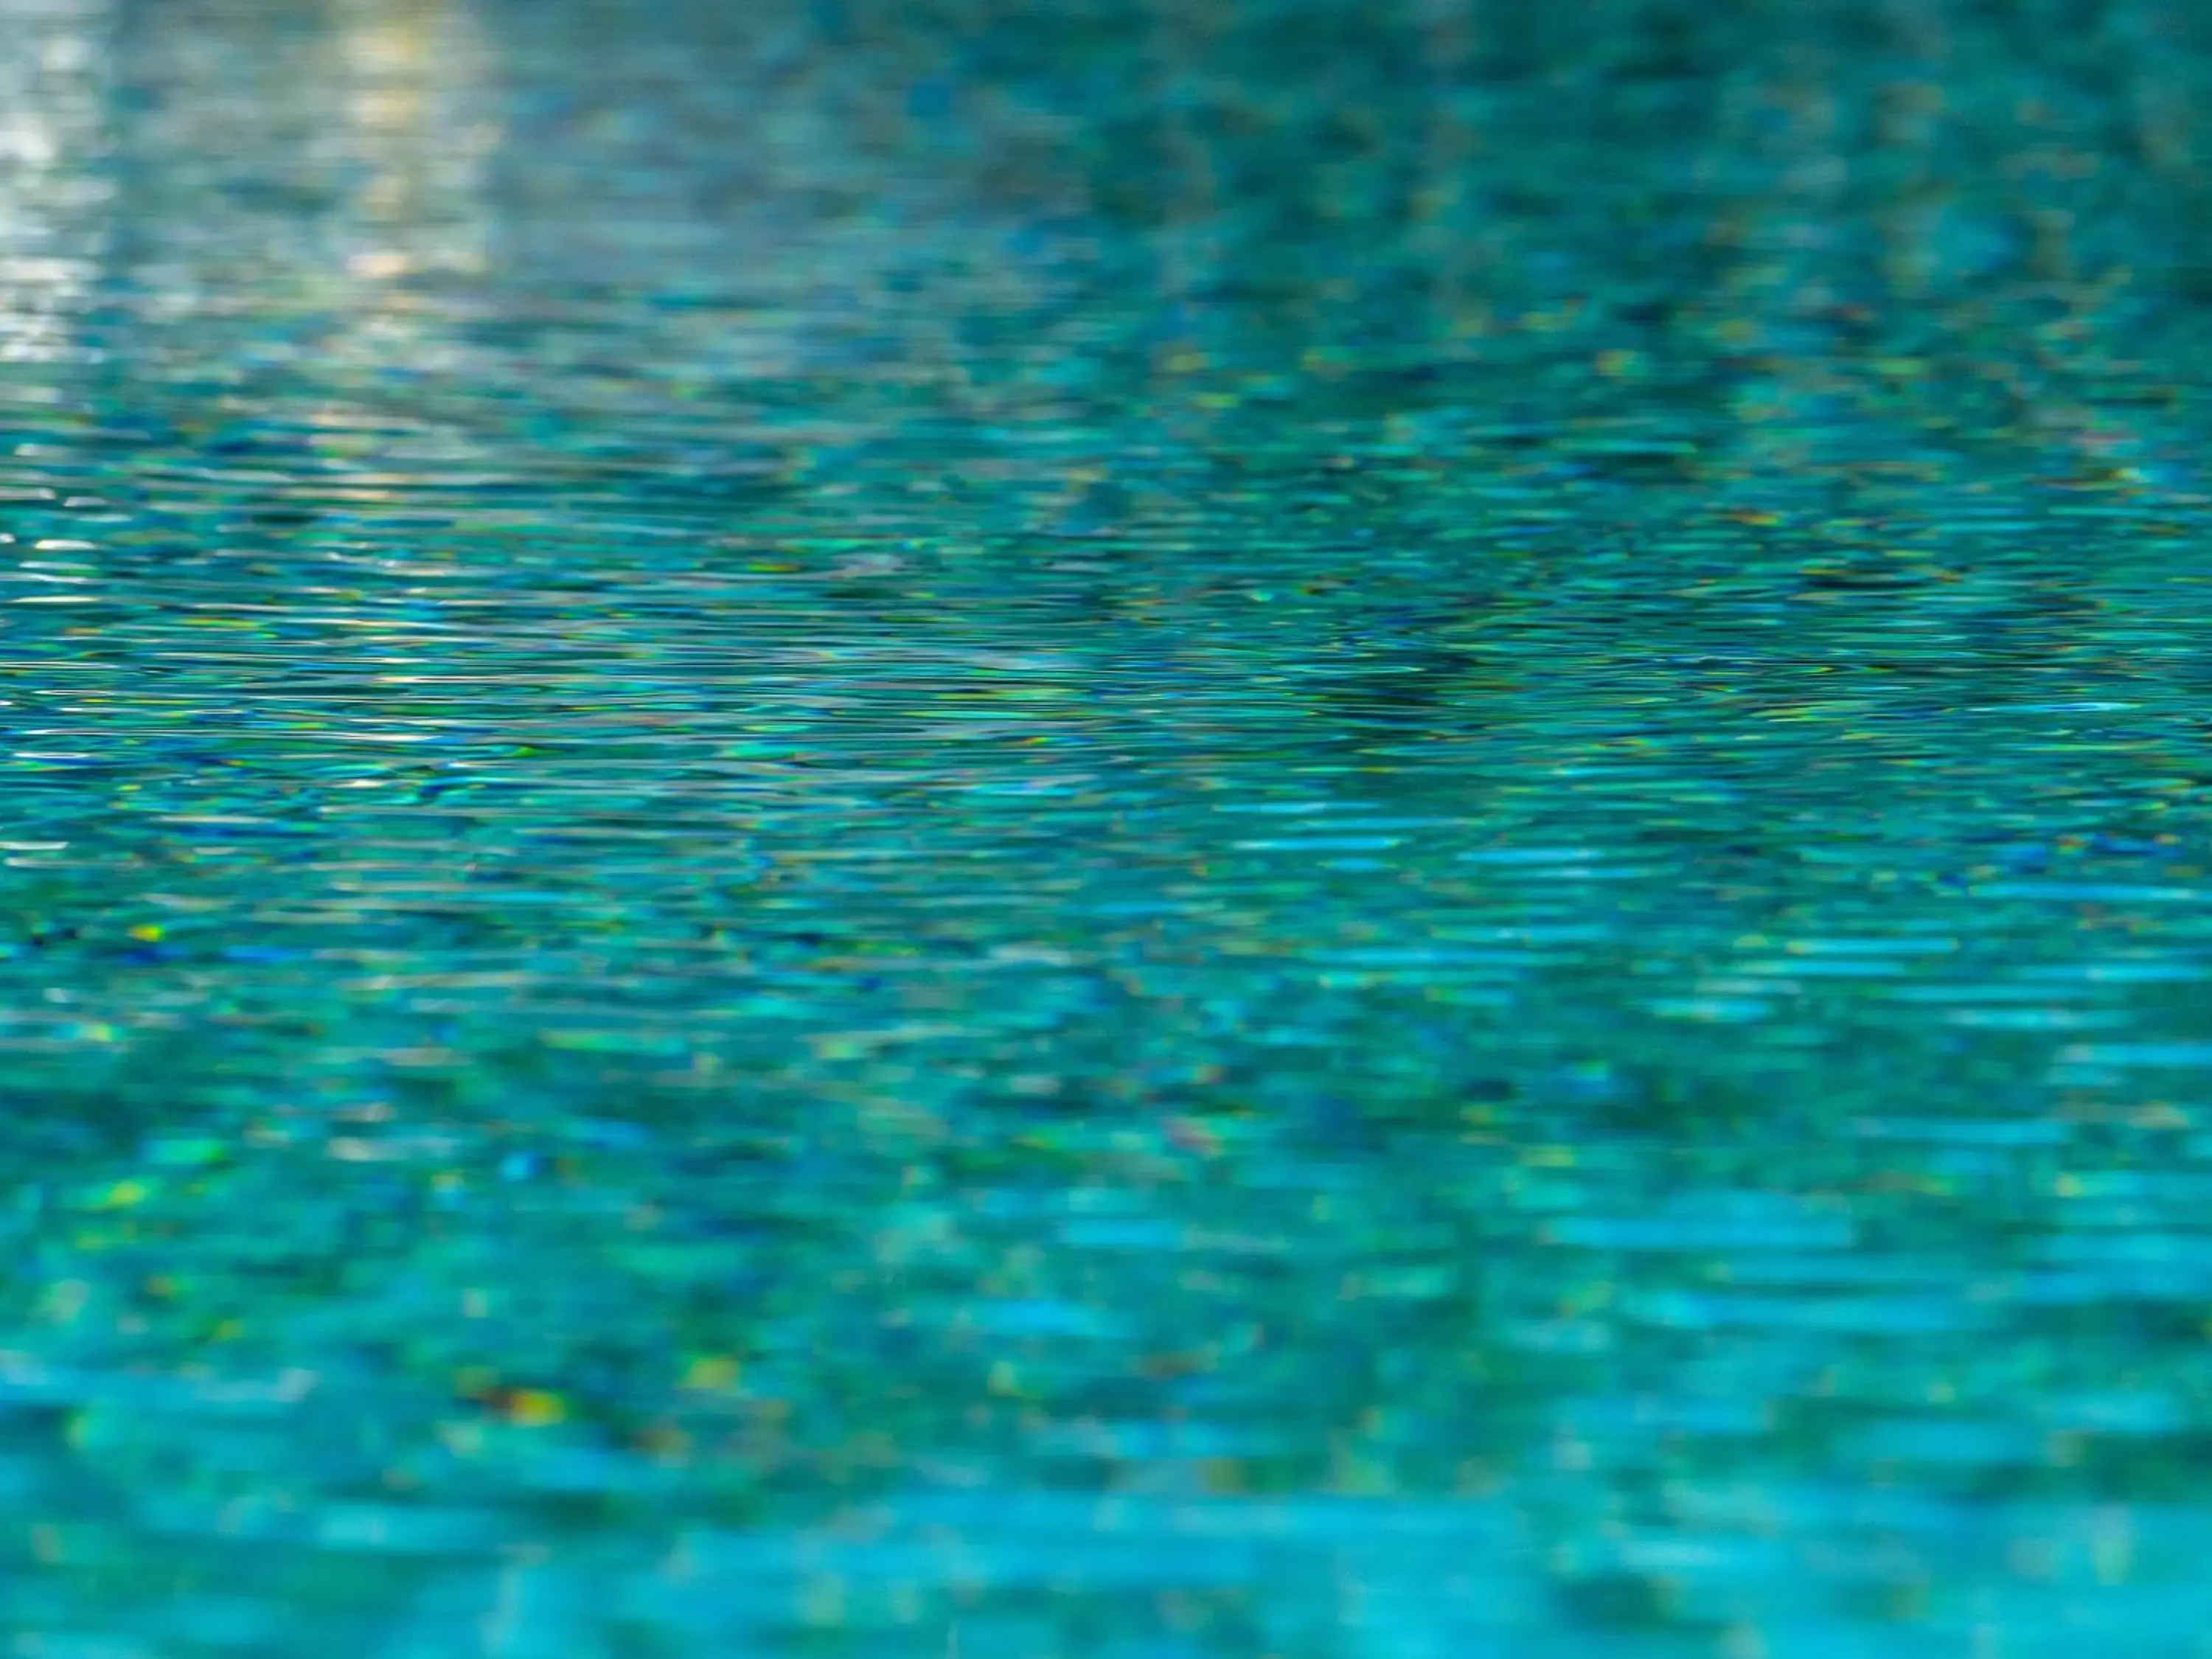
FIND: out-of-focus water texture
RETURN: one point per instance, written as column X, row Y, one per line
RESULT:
column 1129, row 830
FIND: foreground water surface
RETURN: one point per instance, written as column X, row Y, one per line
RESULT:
column 1130, row 831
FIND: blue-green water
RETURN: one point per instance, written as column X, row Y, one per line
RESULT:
column 1114, row 832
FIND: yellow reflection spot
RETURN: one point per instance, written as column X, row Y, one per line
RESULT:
column 1224, row 1477
column 711, row 1372
column 534, row 1408
column 379, row 263
column 146, row 932
column 122, row 1196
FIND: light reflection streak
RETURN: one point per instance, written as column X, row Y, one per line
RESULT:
column 52, row 200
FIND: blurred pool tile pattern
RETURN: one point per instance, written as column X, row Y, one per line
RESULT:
column 1138, row 829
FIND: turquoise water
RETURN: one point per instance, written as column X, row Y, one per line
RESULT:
column 1115, row 832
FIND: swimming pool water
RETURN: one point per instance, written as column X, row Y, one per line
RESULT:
column 1124, row 831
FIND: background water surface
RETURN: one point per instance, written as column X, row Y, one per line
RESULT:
column 1123, row 830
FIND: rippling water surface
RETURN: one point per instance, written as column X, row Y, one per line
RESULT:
column 1129, row 830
